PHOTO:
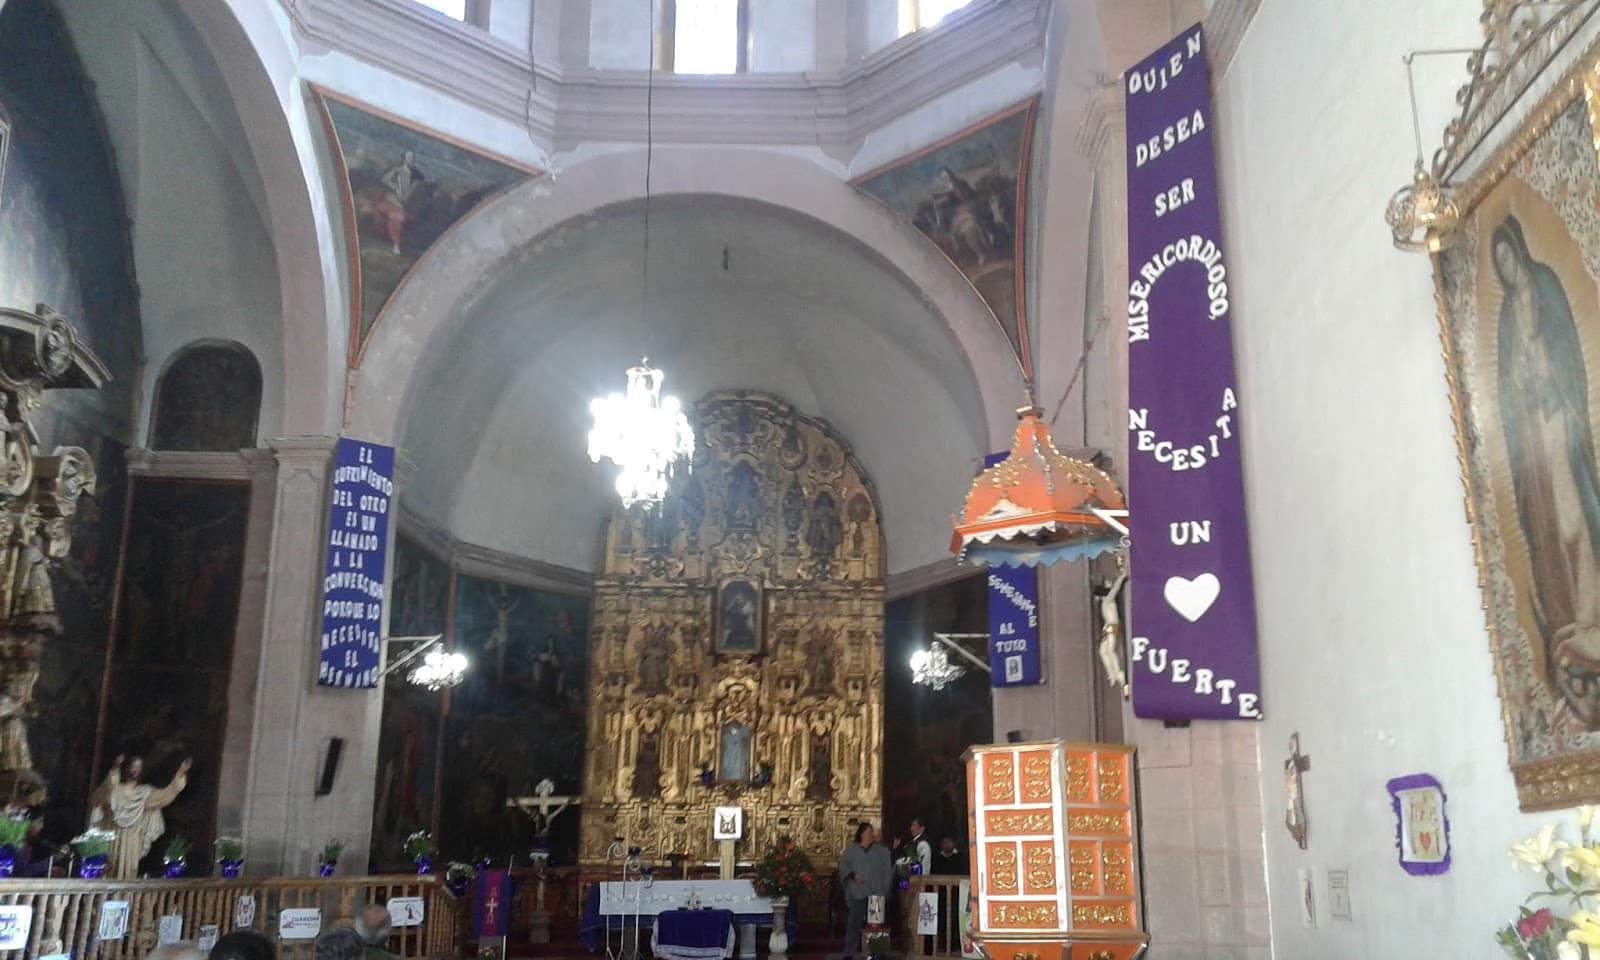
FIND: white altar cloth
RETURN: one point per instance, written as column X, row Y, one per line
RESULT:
column 649, row 898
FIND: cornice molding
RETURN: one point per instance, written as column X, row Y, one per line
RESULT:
column 490, row 564
column 1105, row 117
column 571, row 105
column 926, row 577
column 238, row 465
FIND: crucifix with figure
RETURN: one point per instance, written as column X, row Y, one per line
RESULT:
column 542, row 808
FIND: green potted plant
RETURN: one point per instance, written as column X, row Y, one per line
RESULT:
column 230, row 856
column 93, row 847
column 176, row 858
column 419, row 847
column 329, row 861
column 13, row 838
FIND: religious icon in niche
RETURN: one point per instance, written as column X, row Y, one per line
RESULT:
column 739, row 617
column 1520, row 311
column 733, row 756
column 741, row 505
column 1422, row 832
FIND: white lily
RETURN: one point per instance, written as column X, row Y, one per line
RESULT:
column 1585, row 818
column 1537, row 851
column 1568, row 951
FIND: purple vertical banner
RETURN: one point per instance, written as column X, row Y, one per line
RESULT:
column 1013, row 626
column 353, row 582
column 1013, row 618
column 491, row 908
column 1193, row 604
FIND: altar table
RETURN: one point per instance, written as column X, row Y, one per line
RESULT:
column 693, row 935
column 592, row 926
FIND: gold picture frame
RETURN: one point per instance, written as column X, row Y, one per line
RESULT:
column 1518, row 298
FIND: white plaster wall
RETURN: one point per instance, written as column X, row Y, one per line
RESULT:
column 882, row 22
column 1372, row 634
column 619, row 35
column 783, row 36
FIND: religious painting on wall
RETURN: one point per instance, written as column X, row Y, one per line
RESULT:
column 739, row 617
column 1519, row 294
column 409, row 741
column 178, row 607
column 404, row 187
column 209, row 398
column 517, row 718
column 968, row 194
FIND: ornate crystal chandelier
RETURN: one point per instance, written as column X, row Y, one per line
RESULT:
column 642, row 432
column 438, row 670
column 932, row 667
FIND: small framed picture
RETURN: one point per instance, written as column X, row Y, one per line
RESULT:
column 739, row 617
column 1421, row 826
column 727, row 823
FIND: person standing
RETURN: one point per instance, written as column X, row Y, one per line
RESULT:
column 865, row 871
column 918, row 848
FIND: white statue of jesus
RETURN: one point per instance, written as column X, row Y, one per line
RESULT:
column 132, row 810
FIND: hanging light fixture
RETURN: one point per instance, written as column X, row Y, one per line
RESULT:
column 1038, row 505
column 932, row 667
column 438, row 670
column 1422, row 215
column 645, row 434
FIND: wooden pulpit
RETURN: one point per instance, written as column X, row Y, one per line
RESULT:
column 1055, row 856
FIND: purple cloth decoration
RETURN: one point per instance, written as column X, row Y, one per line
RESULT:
column 357, row 549
column 1418, row 781
column 1193, row 623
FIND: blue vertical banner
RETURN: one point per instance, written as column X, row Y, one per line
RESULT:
column 1014, row 626
column 1013, row 618
column 353, row 582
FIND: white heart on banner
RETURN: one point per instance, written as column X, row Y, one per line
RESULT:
column 1192, row 598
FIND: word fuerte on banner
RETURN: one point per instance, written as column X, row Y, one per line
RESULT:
column 1193, row 628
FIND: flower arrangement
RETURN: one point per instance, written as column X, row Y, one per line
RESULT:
column 458, row 876
column 419, row 847
column 1572, row 881
column 13, row 837
column 784, row 871
column 93, row 847
column 230, row 856
column 329, row 860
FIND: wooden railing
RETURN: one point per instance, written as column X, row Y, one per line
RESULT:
column 946, row 943
column 66, row 913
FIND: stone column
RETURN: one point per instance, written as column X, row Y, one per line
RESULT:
column 285, row 823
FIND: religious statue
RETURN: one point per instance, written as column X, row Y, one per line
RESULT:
column 1111, row 633
column 1294, row 802
column 39, row 495
column 132, row 811
column 542, row 809
column 741, row 508
column 824, row 533
column 655, row 654
column 1544, row 409
column 819, row 660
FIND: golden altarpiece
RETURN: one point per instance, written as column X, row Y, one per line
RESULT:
column 737, row 646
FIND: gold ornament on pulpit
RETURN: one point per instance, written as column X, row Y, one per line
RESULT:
column 39, row 495
column 737, row 640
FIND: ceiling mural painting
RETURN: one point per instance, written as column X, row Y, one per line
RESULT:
column 968, row 194
column 404, row 187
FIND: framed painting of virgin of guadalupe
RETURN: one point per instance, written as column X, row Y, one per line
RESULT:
column 1519, row 299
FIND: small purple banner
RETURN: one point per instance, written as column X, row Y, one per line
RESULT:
column 1013, row 626
column 1013, row 618
column 491, row 908
column 1193, row 605
column 358, row 545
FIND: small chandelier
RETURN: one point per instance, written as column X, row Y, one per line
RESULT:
column 643, row 433
column 439, row 670
column 932, row 667
column 1422, row 215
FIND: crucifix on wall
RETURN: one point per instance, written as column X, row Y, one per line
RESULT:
column 1294, row 815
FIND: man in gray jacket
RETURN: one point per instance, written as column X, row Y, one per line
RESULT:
column 865, row 871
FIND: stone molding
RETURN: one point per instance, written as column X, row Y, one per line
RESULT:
column 568, row 105
column 490, row 564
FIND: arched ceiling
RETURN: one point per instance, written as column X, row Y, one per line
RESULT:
column 742, row 295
